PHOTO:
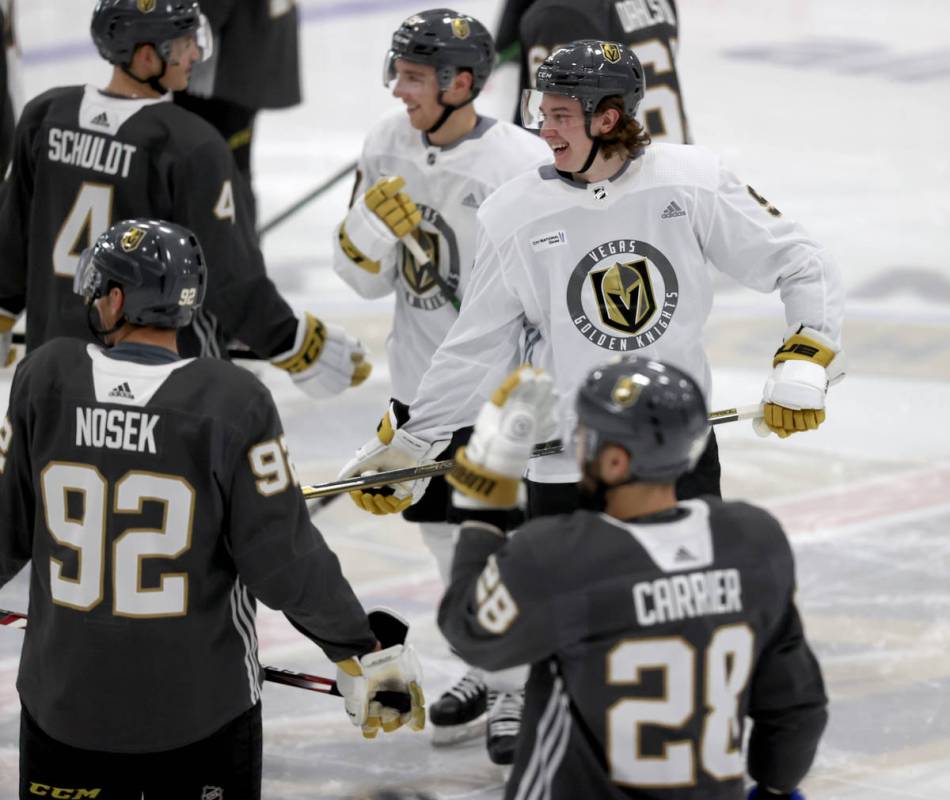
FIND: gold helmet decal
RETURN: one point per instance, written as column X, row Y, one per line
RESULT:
column 612, row 51
column 460, row 28
column 625, row 393
column 133, row 237
column 624, row 296
column 146, row 6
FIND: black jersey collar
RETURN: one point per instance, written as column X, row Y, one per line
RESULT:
column 147, row 354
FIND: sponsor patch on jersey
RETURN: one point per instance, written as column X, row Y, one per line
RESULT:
column 460, row 28
column 146, row 6
column 131, row 239
column 622, row 295
column 548, row 240
column 612, row 52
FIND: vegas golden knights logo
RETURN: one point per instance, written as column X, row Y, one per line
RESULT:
column 419, row 278
column 460, row 28
column 612, row 52
column 131, row 239
column 624, row 295
column 625, row 393
column 146, row 6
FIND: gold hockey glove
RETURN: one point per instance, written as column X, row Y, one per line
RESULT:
column 794, row 394
column 488, row 470
column 376, row 222
column 7, row 350
column 324, row 359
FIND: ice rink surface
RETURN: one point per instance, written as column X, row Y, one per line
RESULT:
column 838, row 111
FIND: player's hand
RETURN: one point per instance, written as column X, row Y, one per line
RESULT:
column 794, row 395
column 488, row 469
column 382, row 690
column 391, row 448
column 377, row 221
column 325, row 359
column 756, row 793
column 7, row 350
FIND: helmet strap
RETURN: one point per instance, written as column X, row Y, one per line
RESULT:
column 594, row 150
column 100, row 334
column 154, row 82
column 448, row 110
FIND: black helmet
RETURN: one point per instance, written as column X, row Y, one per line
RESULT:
column 588, row 70
column 655, row 411
column 158, row 264
column 448, row 41
column 118, row 26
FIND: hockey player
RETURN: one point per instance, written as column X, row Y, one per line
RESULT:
column 653, row 629
column 84, row 157
column 607, row 251
column 651, row 30
column 155, row 508
column 423, row 174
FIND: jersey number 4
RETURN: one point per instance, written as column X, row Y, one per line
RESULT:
column 728, row 665
column 81, row 526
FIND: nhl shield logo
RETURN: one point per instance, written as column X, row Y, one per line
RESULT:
column 131, row 239
column 146, row 6
column 460, row 28
column 626, row 392
column 612, row 52
column 624, row 295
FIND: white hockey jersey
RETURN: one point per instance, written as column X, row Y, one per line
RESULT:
column 611, row 268
column 448, row 184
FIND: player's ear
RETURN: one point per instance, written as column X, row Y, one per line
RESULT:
column 608, row 120
column 463, row 82
column 614, row 464
column 145, row 60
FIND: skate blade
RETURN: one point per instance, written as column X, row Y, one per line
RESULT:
column 447, row 735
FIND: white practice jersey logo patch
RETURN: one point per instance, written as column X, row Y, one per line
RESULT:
column 548, row 240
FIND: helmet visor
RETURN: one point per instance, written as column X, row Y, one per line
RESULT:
column 87, row 282
column 544, row 109
column 389, row 68
column 199, row 40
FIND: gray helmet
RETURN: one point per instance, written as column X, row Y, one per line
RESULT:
column 590, row 70
column 446, row 40
column 119, row 26
column 655, row 411
column 159, row 266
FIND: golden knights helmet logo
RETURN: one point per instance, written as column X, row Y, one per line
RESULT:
column 460, row 28
column 146, row 6
column 612, row 52
column 131, row 239
column 625, row 393
column 624, row 296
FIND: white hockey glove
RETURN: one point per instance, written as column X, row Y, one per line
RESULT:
column 794, row 395
column 324, row 359
column 391, row 448
column 376, row 222
column 7, row 350
column 488, row 470
column 382, row 690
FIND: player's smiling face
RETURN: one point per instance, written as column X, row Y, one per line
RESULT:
column 417, row 87
column 564, row 131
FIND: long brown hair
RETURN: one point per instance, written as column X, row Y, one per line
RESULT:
column 627, row 134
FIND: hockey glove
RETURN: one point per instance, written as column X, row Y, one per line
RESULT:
column 756, row 793
column 391, row 448
column 794, row 395
column 7, row 350
column 382, row 690
column 488, row 469
column 324, row 359
column 376, row 222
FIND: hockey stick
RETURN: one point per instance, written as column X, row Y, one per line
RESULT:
column 423, row 260
column 233, row 353
column 313, row 683
column 307, row 198
column 441, row 467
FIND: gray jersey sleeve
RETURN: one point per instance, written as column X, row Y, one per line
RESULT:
column 279, row 554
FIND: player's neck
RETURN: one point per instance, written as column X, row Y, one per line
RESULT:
column 603, row 168
column 640, row 499
column 123, row 85
column 461, row 123
column 166, row 338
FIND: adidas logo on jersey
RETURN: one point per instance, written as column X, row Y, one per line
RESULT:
column 101, row 119
column 672, row 210
column 683, row 555
column 470, row 201
column 122, row 390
